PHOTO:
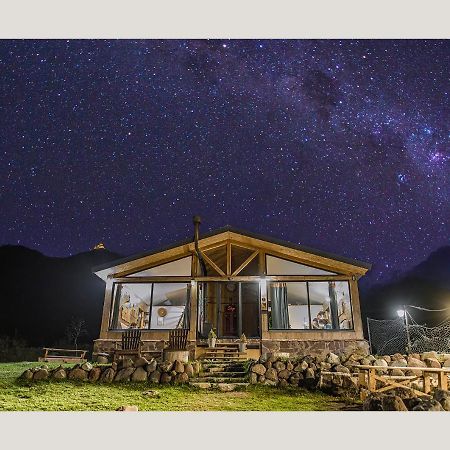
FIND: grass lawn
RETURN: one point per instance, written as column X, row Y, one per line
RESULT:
column 72, row 396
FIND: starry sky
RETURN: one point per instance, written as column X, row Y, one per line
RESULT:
column 338, row 145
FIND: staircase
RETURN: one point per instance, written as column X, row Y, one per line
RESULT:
column 223, row 368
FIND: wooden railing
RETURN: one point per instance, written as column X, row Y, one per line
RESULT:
column 371, row 376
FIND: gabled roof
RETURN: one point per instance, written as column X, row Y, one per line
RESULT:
column 250, row 234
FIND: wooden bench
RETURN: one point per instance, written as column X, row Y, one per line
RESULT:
column 368, row 378
column 74, row 355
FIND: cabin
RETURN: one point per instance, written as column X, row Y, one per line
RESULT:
column 287, row 299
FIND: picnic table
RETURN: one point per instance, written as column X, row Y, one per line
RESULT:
column 65, row 355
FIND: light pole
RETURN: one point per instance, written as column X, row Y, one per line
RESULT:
column 403, row 313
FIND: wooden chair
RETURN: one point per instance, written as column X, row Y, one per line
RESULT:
column 178, row 339
column 131, row 344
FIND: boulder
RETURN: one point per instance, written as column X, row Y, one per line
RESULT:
column 181, row 378
column 178, row 366
column 366, row 362
column 283, row 383
column 225, row 387
column 443, row 397
column 332, row 358
column 387, row 358
column 173, row 373
column 87, row 366
column 309, row 373
column 124, row 374
column 262, row 378
column 380, row 362
column 289, row 366
column 269, row 383
column 189, row 370
column 267, row 364
column 258, row 369
column 125, row 363
column 414, row 362
column 271, row 374
column 446, row 363
column 102, row 359
column 197, row 367
column 141, row 362
column 412, row 373
column 429, row 405
column 114, row 366
column 155, row 376
column 78, row 374
column 283, row 374
column 41, row 374
column 431, row 354
column 324, row 366
column 95, row 374
column 373, row 403
column 340, row 368
column 151, row 366
column 108, row 375
column 432, row 362
column 59, row 374
column 396, row 373
column 392, row 403
column 27, row 375
column 165, row 378
column 399, row 363
column 140, row 374
column 301, row 367
column 253, row 379
column 278, row 365
column 127, row 408
column 166, row 366
column 397, row 356
column 294, row 379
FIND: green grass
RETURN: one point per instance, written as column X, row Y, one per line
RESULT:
column 75, row 396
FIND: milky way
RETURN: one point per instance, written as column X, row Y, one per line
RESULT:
column 339, row 145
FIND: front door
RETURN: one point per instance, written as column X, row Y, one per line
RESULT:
column 230, row 308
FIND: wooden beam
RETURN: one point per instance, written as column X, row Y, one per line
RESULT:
column 228, row 258
column 246, row 263
column 214, row 265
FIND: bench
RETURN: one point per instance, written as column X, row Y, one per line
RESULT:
column 73, row 356
column 369, row 375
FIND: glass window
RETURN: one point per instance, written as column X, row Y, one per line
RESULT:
column 317, row 305
column 279, row 266
column 218, row 256
column 131, row 306
column 168, row 306
column 179, row 268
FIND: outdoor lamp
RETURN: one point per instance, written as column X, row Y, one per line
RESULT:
column 400, row 312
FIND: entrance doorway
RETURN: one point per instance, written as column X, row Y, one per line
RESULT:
column 230, row 308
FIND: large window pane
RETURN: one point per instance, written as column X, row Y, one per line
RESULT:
column 288, row 303
column 131, row 306
column 179, row 268
column 168, row 305
column 279, row 266
column 330, row 305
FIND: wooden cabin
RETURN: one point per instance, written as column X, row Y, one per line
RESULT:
column 285, row 298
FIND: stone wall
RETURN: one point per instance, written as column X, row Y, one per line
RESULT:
column 140, row 370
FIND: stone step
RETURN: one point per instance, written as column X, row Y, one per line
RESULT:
column 223, row 349
column 222, row 374
column 222, row 386
column 224, row 358
column 232, row 380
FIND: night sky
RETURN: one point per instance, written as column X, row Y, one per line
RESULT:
column 338, row 145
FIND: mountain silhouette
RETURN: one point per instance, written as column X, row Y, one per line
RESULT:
column 40, row 295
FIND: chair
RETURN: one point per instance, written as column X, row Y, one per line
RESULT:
column 131, row 344
column 178, row 339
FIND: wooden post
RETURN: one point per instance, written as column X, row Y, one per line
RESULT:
column 362, row 378
column 442, row 381
column 426, row 382
column 372, row 382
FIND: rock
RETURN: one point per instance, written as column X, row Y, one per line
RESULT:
column 270, row 383
column 412, row 402
column 151, row 393
column 108, row 375
column 267, row 364
column 253, row 379
column 114, row 366
column 197, row 367
column 261, row 378
column 380, row 362
column 125, row 363
column 271, row 374
column 397, row 373
column 151, row 366
column 312, row 366
column 397, row 356
column 387, row 358
column 127, row 408
column 283, row 374
column 366, row 362
column 412, row 373
column 124, row 374
column 27, row 375
column 446, row 363
column 432, row 362
column 309, row 373
column 392, row 403
column 225, row 387
column 443, row 397
column 399, row 363
column 289, row 366
column 178, row 367
column 78, row 374
column 301, row 367
column 95, row 373
column 155, row 376
column 41, row 374
column 141, row 362
column 332, row 358
column 87, row 366
column 414, row 362
column 429, row 405
column 165, row 378
column 189, row 370
column 101, row 359
column 166, row 366
column 283, row 383
column 59, row 374
column 294, row 379
column 340, row 368
column 140, row 374
column 432, row 355
column 258, row 369
column 278, row 365
column 373, row 403
column 202, row 385
column 181, row 378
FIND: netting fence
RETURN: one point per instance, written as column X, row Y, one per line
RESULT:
column 405, row 335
